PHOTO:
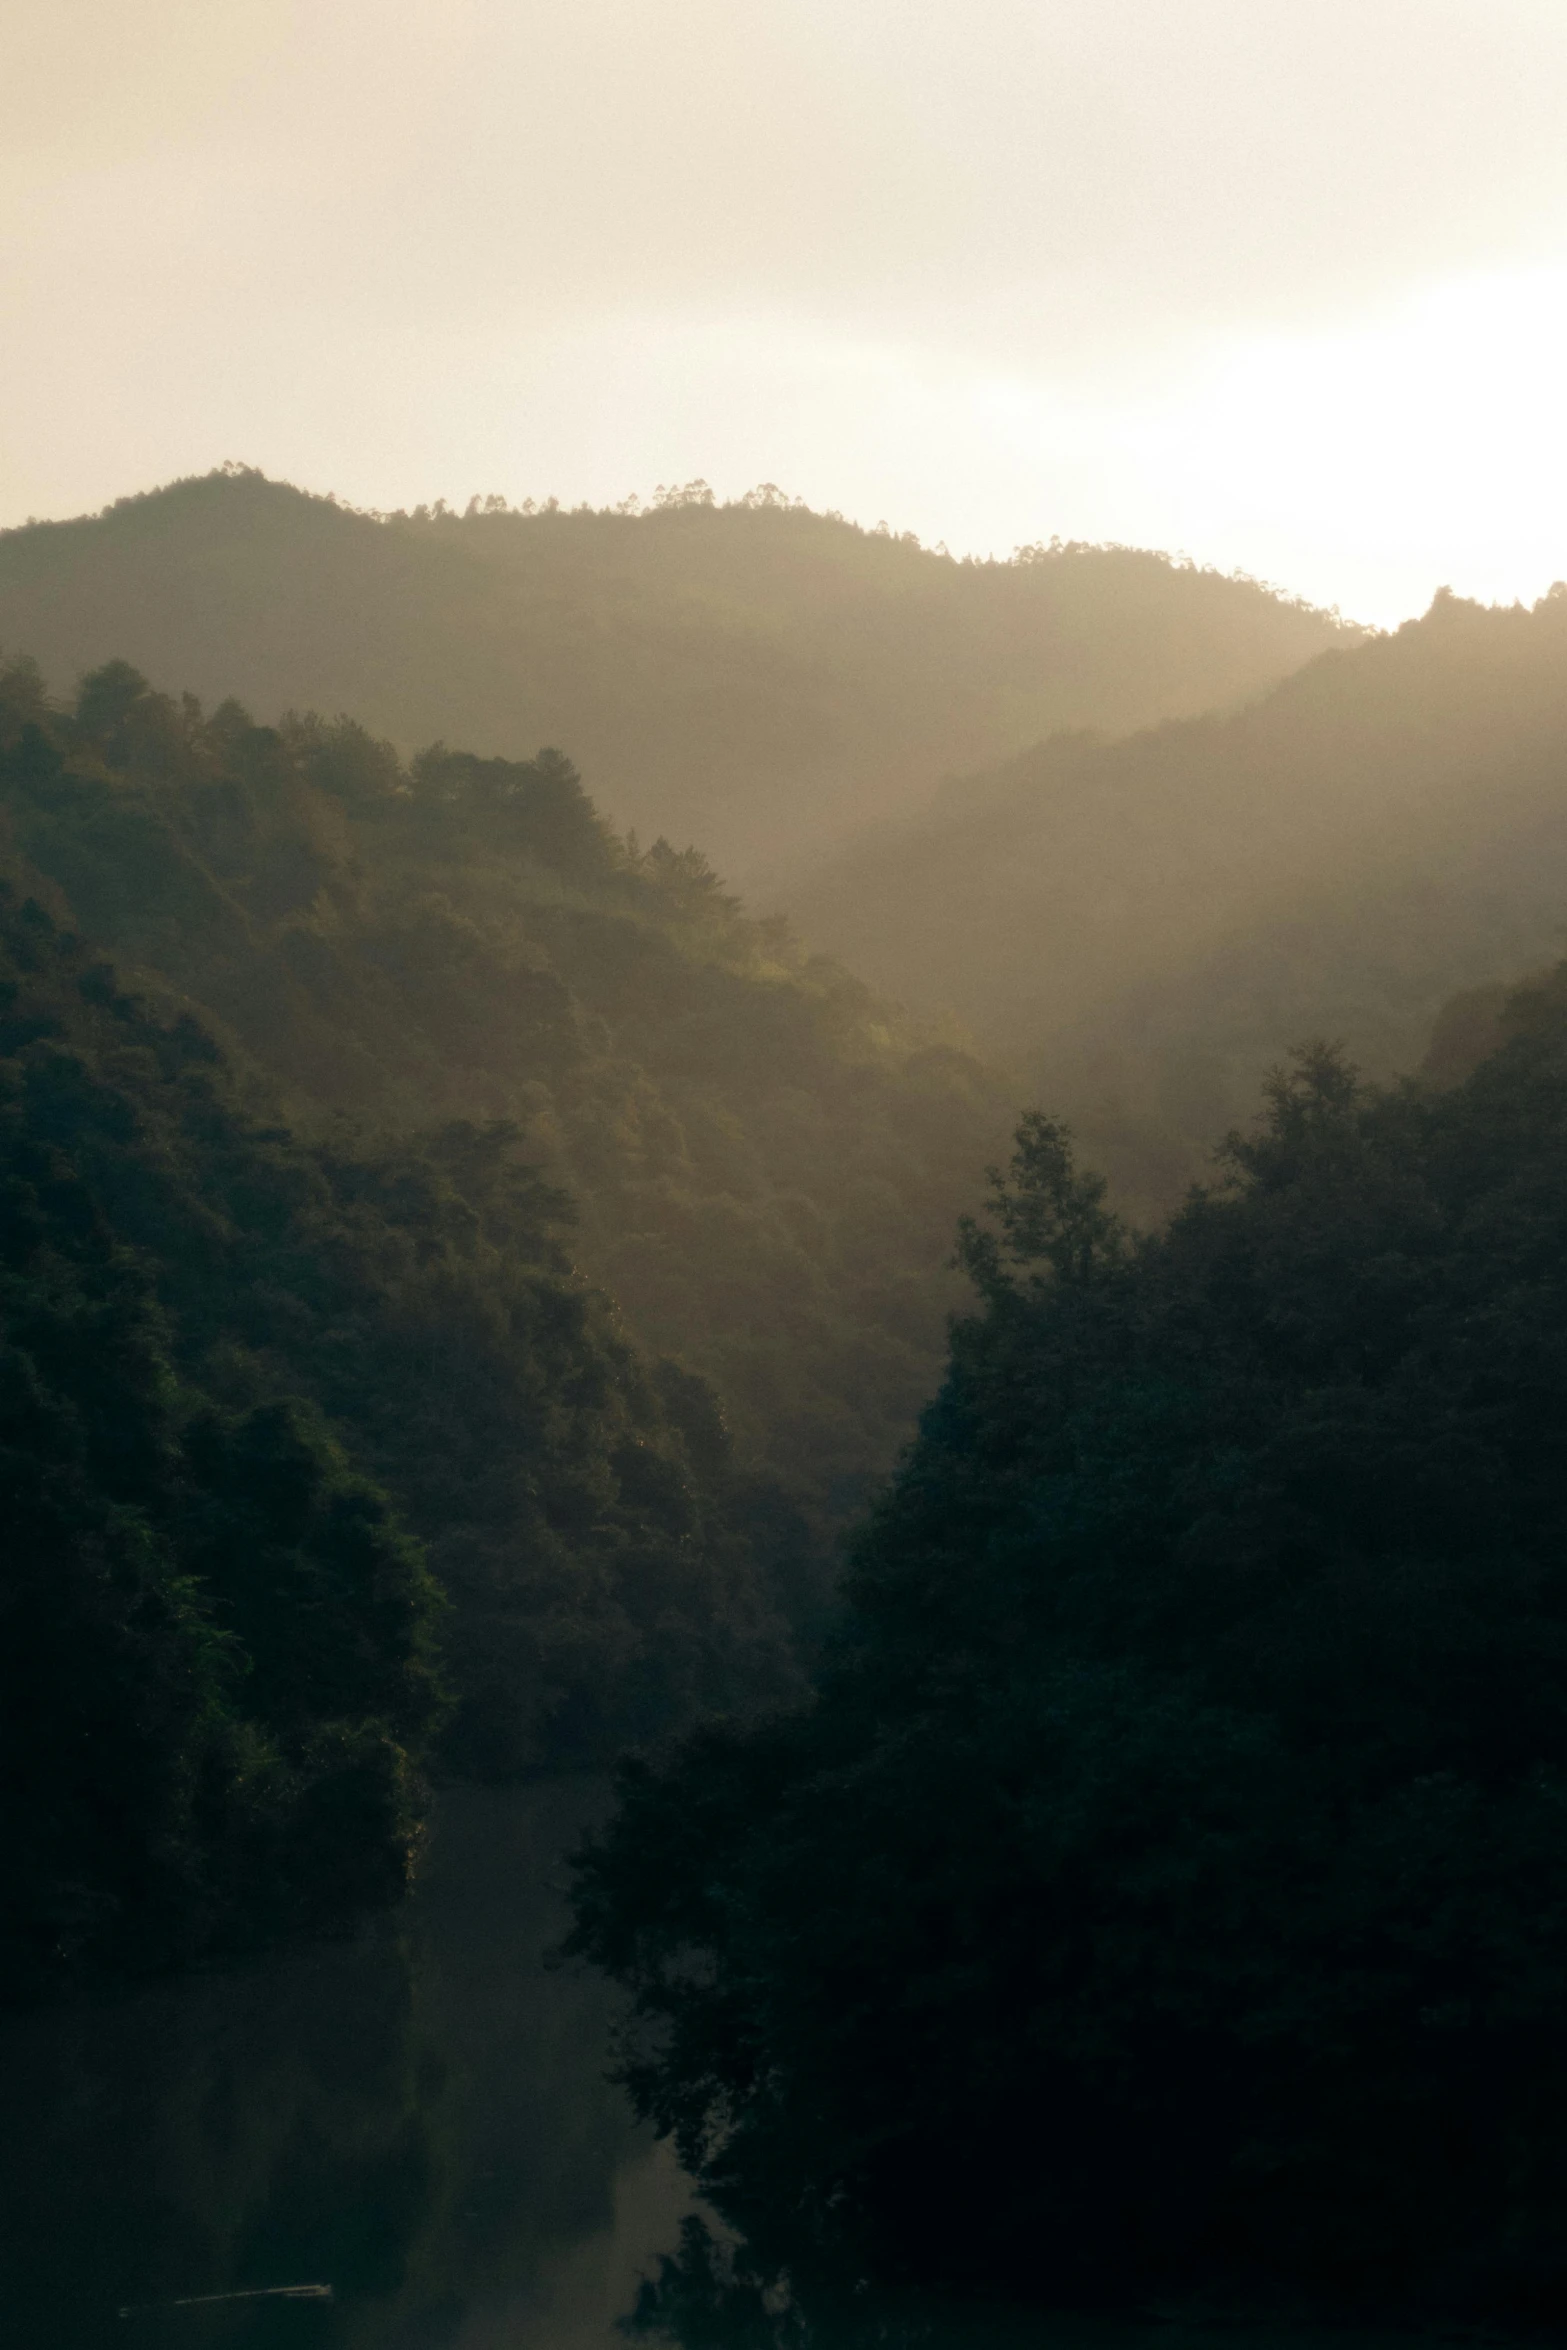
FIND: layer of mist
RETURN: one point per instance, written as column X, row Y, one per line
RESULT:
column 1142, row 928
column 755, row 677
column 478, row 1300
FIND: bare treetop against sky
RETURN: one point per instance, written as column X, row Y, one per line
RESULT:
column 1280, row 282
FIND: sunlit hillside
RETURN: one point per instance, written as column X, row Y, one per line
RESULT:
column 755, row 677
column 1145, row 926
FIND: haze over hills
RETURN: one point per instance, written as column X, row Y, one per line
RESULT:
column 338, row 1450
column 843, row 1240
column 451, row 993
column 304, row 1193
column 765, row 1163
column 1144, row 926
column 756, row 677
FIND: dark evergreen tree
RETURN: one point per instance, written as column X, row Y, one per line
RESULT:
column 1169, row 1882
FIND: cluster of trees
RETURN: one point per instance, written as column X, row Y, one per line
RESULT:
column 331, row 1462
column 216, row 1664
column 317, row 1459
column 753, row 676
column 1167, row 1884
column 767, row 1164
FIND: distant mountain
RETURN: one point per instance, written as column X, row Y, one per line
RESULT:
column 755, row 676
column 1144, row 926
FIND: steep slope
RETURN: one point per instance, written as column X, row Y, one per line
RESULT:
column 754, row 676
column 292, row 1435
column 767, row 1166
column 1146, row 925
column 1165, row 1891
column 215, row 1639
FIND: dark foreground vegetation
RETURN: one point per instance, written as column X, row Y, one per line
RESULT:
column 254, row 1392
column 215, row 1639
column 324, row 1463
column 1167, row 1886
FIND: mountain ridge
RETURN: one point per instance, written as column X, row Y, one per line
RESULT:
column 767, row 1163
column 755, row 675
column 1145, row 924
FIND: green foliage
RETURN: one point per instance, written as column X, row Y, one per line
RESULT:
column 233, row 1370
column 1053, row 1220
column 767, row 1164
column 1168, row 1885
column 754, row 676
column 216, row 1642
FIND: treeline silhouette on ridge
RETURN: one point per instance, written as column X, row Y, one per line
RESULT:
column 1142, row 927
column 753, row 676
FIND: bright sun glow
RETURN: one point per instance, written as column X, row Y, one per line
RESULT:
column 1364, row 467
column 1284, row 288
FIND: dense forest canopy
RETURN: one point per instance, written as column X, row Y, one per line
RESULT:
column 319, row 1461
column 460, row 962
column 1146, row 925
column 1168, row 1884
column 753, row 676
column 218, row 1643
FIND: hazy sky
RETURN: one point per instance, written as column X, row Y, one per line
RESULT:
column 1279, row 282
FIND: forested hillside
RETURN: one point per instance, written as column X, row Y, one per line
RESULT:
column 1167, row 1888
column 312, row 1455
column 765, row 1166
column 755, row 677
column 1146, row 926
column 217, row 1662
